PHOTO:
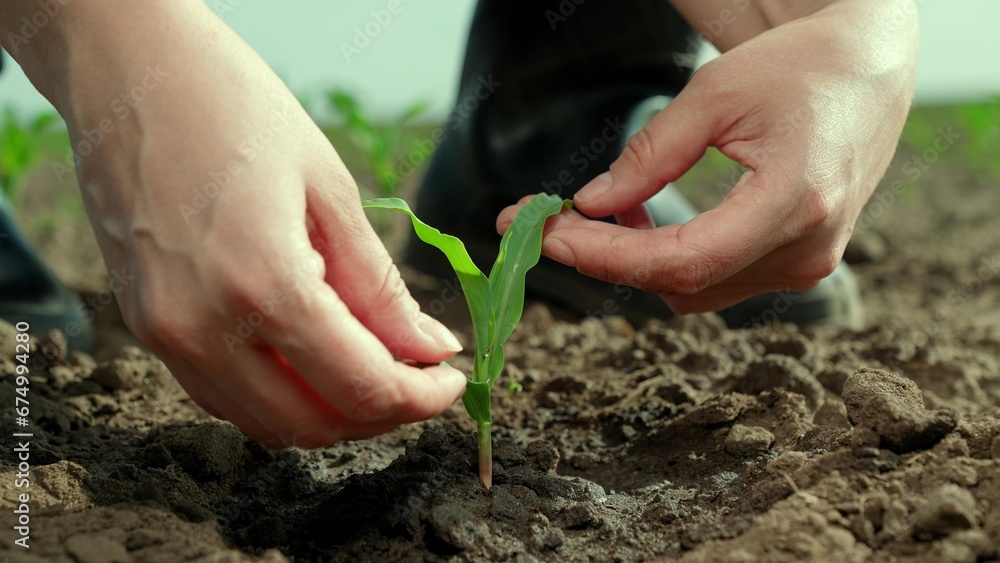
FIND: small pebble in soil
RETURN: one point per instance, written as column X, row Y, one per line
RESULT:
column 53, row 346
column 866, row 383
column 823, row 438
column 542, row 455
column 125, row 375
column 902, row 428
column 979, row 435
column 719, row 409
column 579, row 516
column 787, row 462
column 948, row 509
column 748, row 440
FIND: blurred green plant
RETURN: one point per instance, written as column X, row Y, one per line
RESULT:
column 23, row 143
column 381, row 144
column 979, row 123
column 514, row 387
column 982, row 122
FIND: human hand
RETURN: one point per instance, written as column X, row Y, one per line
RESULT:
column 258, row 279
column 813, row 108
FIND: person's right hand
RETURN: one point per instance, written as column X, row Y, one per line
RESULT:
column 270, row 297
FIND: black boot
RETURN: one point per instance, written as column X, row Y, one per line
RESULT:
column 546, row 102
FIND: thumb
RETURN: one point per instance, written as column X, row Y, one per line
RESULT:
column 360, row 270
column 662, row 151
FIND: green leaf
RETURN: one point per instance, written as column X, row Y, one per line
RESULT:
column 359, row 126
column 496, row 303
column 475, row 285
column 519, row 251
column 344, row 103
column 477, row 401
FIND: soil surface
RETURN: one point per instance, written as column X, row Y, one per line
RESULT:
column 675, row 440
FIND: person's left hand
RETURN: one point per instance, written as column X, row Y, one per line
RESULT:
column 813, row 108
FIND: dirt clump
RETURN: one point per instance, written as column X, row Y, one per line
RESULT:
column 867, row 383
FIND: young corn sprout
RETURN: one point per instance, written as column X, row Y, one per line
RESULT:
column 495, row 302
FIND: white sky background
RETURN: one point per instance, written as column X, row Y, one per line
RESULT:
column 418, row 55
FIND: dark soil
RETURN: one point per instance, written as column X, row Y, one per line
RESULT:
column 676, row 440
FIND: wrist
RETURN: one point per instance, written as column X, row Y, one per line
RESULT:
column 729, row 23
column 61, row 45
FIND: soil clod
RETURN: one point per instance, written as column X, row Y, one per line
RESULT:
column 748, row 440
column 867, row 383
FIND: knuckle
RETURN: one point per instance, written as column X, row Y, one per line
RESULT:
column 369, row 407
column 690, row 278
column 372, row 401
column 299, row 290
column 640, row 152
column 241, row 291
column 391, row 294
column 715, row 86
column 815, row 210
column 822, row 266
column 423, row 408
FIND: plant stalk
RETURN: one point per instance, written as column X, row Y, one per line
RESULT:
column 483, row 433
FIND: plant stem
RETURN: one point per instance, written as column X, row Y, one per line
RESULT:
column 483, row 432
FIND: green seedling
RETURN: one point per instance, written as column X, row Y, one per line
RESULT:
column 495, row 302
column 514, row 387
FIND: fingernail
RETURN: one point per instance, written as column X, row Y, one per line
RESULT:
column 594, row 189
column 560, row 252
column 439, row 333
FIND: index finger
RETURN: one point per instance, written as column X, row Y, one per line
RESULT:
column 350, row 367
column 683, row 259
